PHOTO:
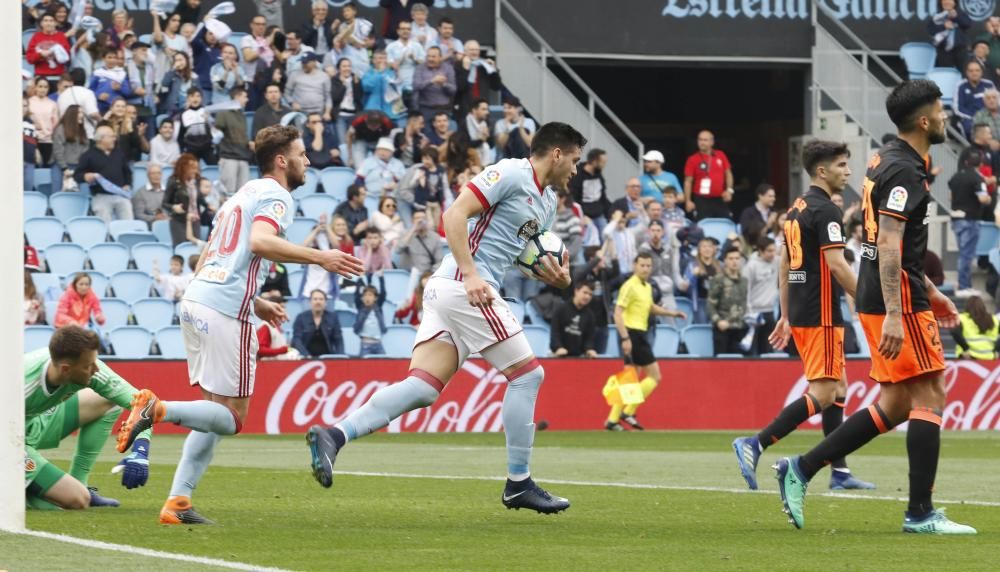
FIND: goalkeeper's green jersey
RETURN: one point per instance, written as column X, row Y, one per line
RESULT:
column 40, row 397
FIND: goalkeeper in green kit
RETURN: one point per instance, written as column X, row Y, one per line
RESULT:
column 67, row 388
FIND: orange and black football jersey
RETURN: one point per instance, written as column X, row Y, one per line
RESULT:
column 897, row 186
column 813, row 225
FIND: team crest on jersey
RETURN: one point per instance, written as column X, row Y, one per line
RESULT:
column 29, row 464
column 278, row 208
column 833, row 231
column 528, row 230
column 491, row 177
column 529, row 200
column 897, row 199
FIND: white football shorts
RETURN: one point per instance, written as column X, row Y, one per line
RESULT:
column 221, row 350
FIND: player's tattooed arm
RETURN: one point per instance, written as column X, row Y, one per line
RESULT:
column 890, row 256
column 782, row 332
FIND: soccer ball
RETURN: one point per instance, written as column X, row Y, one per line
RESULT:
column 537, row 247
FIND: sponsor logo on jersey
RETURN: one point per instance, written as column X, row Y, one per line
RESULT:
column 833, row 231
column 897, row 199
column 217, row 275
column 797, row 277
column 869, row 251
column 491, row 177
column 528, row 230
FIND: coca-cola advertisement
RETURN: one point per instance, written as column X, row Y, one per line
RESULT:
column 289, row 396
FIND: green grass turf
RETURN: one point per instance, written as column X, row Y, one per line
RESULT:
column 271, row 512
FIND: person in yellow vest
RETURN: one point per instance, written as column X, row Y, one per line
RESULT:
column 635, row 304
column 978, row 331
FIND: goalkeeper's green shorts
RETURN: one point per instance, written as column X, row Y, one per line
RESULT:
column 46, row 431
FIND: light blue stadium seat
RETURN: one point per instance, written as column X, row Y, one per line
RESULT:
column 130, row 239
column 254, row 172
column 139, row 176
column 249, row 115
column 988, row 236
column 698, row 340
column 35, row 204
column 131, row 342
column 684, row 305
column 146, row 253
column 187, row 249
column 65, row 258
column 235, row 39
column 43, row 180
column 67, row 205
column 388, row 311
column 667, row 341
column 534, row 315
column 346, row 317
column 43, row 232
column 116, row 312
column 947, row 79
column 352, row 343
column 312, row 206
column 295, row 306
column 517, row 308
column 397, row 285
column 717, row 228
column 171, row 342
column 211, row 172
column 48, row 285
column 26, row 36
column 37, row 337
column 371, row 203
column 87, row 231
column 335, row 181
column 131, row 285
column 153, row 313
column 300, row 229
column 118, row 227
column 310, row 187
column 295, row 282
column 51, row 307
column 919, row 58
column 538, row 339
column 398, row 341
column 161, row 230
column 108, row 257
column 98, row 282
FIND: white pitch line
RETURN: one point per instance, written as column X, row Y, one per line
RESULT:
column 136, row 550
column 656, row 487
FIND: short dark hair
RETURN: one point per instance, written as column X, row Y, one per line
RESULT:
column 907, row 99
column 372, row 230
column 353, row 191
column 165, row 121
column 512, row 100
column 888, row 138
column 584, row 284
column 238, row 90
column 271, row 142
column 763, row 188
column 971, row 157
column 352, row 5
column 477, row 102
column 555, row 134
column 439, row 114
column 653, row 223
column 595, row 154
column 78, row 76
column 428, row 50
column 325, row 297
column 979, row 126
column 731, row 250
column 764, row 242
column 643, row 255
column 193, row 90
column 818, row 151
column 371, row 289
column 177, row 258
column 272, row 85
column 670, row 190
column 446, row 20
column 69, row 342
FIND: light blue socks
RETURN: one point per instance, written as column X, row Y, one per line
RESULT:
column 204, row 416
column 199, row 448
column 519, row 420
column 390, row 402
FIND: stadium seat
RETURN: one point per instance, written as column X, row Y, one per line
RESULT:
column 211, row 172
column 388, row 310
column 161, row 230
column 69, row 205
column 534, row 315
column 116, row 312
column 131, row 342
column 119, row 227
column 352, row 343
column 98, row 282
column 667, row 341
column 37, row 337
column 43, row 180
column 235, row 38
column 65, row 258
column 339, row 304
column 371, row 203
column 146, row 254
column 254, row 172
column 153, row 313
column 171, row 342
column 295, row 282
column 947, row 80
column 538, row 339
column 517, row 308
column 35, row 204
column 845, row 310
column 249, row 115
column 295, row 306
column 187, row 249
column 87, row 231
column 717, row 228
column 347, row 317
column 919, row 58
column 26, row 37
column 312, row 206
column 139, row 176
column 684, row 305
column 398, row 341
column 698, row 340
column 988, row 236
column 48, row 285
column 335, row 181
column 108, row 257
column 131, row 285
column 43, row 232
column 310, row 187
column 50, row 311
column 300, row 229
column 397, row 285
column 130, row 239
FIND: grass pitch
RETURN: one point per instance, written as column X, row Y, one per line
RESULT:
column 641, row 501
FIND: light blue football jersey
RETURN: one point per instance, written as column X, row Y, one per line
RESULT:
column 516, row 208
column 232, row 275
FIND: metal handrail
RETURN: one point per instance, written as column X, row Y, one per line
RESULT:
column 551, row 53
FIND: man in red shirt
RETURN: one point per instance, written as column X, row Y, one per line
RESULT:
column 708, row 180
